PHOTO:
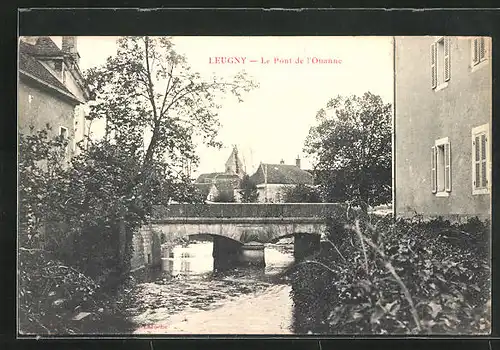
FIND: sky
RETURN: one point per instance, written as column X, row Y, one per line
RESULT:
column 274, row 120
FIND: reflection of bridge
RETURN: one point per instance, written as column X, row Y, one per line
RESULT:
column 239, row 230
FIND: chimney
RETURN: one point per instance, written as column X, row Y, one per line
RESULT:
column 282, row 162
column 69, row 46
column 297, row 162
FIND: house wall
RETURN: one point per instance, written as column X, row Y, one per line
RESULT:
column 213, row 193
column 44, row 108
column 424, row 115
column 72, row 84
column 270, row 193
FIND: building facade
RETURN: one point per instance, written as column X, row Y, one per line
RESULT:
column 442, row 127
column 234, row 165
column 272, row 179
column 51, row 89
column 222, row 184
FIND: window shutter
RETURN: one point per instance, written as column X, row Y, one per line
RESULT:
column 482, row 49
column 447, row 167
column 433, row 65
column 484, row 180
column 447, row 62
column 477, row 170
column 475, row 51
column 433, row 170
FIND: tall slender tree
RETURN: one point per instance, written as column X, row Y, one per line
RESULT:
column 248, row 190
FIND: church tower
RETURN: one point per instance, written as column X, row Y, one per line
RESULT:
column 234, row 164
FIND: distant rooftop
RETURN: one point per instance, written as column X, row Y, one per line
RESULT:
column 281, row 174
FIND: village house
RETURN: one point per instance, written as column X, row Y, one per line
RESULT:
column 222, row 184
column 51, row 89
column 272, row 179
column 442, row 127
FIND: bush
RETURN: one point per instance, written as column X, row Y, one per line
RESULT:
column 397, row 278
column 301, row 194
column 248, row 190
column 224, row 197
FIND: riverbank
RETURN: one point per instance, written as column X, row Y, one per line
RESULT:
column 397, row 278
column 57, row 299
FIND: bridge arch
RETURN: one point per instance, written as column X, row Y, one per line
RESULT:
column 238, row 224
column 212, row 237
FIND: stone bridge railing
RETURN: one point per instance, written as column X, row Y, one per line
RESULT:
column 250, row 210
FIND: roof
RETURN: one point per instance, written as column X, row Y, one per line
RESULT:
column 211, row 177
column 30, row 65
column 207, row 177
column 281, row 174
column 232, row 178
column 46, row 47
column 234, row 160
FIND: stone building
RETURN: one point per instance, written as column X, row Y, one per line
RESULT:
column 234, row 165
column 211, row 185
column 442, row 127
column 51, row 89
column 271, row 179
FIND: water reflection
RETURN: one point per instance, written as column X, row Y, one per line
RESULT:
column 189, row 297
column 193, row 259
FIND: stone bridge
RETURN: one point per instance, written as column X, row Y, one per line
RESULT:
column 238, row 230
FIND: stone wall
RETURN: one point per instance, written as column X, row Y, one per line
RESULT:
column 250, row 210
column 146, row 248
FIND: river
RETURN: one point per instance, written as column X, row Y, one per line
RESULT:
column 185, row 296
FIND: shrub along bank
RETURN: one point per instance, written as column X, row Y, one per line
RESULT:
column 404, row 277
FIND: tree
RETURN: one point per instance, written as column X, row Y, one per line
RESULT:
column 300, row 194
column 153, row 101
column 40, row 167
column 248, row 190
column 352, row 150
column 224, row 197
column 155, row 108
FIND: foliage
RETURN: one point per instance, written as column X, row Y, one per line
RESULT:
column 224, row 197
column 149, row 90
column 41, row 160
column 248, row 192
column 397, row 278
column 352, row 150
column 300, row 194
column 52, row 292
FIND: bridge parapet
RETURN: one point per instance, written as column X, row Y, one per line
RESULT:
column 250, row 210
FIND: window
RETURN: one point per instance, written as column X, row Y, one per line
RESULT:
column 478, row 51
column 440, row 63
column 58, row 66
column 63, row 133
column 480, row 160
column 441, row 167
